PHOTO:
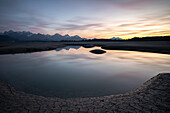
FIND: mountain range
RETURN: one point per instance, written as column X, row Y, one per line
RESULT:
column 24, row 36
column 28, row 36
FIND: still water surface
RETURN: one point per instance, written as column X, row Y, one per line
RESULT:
column 73, row 71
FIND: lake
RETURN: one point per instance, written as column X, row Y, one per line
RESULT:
column 74, row 71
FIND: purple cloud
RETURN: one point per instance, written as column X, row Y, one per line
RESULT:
column 78, row 27
column 134, row 4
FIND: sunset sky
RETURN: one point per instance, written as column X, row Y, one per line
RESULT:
column 87, row 18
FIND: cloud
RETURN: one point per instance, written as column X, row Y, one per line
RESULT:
column 167, row 19
column 160, row 32
column 127, row 25
column 78, row 27
column 106, row 17
column 78, row 19
column 154, row 25
column 134, row 4
column 25, row 24
column 127, row 34
column 26, row 21
column 158, row 16
column 81, row 19
column 145, row 25
column 134, row 32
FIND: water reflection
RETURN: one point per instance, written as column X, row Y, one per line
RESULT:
column 88, row 46
column 68, row 48
column 79, row 73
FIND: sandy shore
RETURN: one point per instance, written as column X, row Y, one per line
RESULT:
column 146, row 46
column 152, row 97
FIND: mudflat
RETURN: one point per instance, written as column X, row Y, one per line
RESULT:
column 152, row 97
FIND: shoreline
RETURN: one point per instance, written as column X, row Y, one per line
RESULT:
column 143, row 46
column 152, row 96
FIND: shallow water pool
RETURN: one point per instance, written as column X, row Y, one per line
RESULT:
column 73, row 71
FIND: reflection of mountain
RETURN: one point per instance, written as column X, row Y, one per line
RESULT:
column 88, row 46
column 68, row 48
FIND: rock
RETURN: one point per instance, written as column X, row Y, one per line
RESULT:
column 98, row 51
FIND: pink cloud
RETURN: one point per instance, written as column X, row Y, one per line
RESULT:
column 134, row 4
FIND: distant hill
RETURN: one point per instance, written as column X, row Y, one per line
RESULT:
column 116, row 38
column 5, row 38
column 28, row 36
column 154, row 38
column 111, row 39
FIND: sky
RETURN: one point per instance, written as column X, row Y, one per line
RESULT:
column 87, row 18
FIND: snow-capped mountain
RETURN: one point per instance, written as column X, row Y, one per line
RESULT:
column 28, row 36
column 116, row 38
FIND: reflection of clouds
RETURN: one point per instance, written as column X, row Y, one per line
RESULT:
column 114, row 60
column 117, row 56
column 140, row 57
column 129, row 58
column 130, row 75
column 80, row 56
column 72, row 54
column 114, row 71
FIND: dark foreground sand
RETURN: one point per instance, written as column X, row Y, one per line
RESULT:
column 152, row 97
column 146, row 46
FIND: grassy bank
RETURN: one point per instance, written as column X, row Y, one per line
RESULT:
column 146, row 46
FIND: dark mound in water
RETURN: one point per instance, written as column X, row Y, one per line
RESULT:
column 97, row 51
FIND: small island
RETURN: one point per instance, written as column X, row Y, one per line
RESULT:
column 98, row 51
